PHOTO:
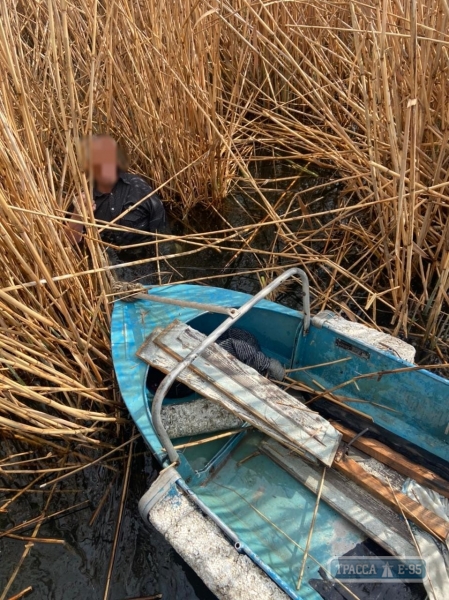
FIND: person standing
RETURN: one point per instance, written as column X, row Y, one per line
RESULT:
column 124, row 204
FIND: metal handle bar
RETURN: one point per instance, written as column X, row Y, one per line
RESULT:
column 210, row 339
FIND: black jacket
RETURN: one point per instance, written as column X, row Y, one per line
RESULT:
column 149, row 216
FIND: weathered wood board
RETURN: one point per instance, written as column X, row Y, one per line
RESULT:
column 398, row 501
column 372, row 517
column 397, row 461
column 247, row 389
column 160, row 359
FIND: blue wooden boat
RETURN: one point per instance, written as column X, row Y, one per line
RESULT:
column 242, row 508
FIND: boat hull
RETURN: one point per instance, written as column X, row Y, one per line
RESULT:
column 267, row 510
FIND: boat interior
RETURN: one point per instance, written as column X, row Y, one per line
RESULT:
column 258, row 488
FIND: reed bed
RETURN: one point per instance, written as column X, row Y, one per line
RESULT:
column 197, row 92
column 202, row 94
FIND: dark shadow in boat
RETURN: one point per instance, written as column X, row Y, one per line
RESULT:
column 177, row 390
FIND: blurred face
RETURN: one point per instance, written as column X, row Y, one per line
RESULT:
column 104, row 162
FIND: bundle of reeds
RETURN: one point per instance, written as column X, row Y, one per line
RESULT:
column 361, row 87
column 195, row 90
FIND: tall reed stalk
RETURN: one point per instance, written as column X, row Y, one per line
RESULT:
column 195, row 90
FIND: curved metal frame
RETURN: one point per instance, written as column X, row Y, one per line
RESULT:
column 166, row 383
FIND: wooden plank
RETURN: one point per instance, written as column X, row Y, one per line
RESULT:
column 372, row 517
column 246, row 387
column 160, row 359
column 398, row 501
column 251, row 380
column 397, row 461
column 248, row 378
column 404, row 446
column 253, row 417
column 260, row 396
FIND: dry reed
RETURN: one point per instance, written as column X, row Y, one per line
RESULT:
column 201, row 94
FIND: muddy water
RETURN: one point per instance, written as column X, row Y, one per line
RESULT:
column 145, row 564
column 244, row 208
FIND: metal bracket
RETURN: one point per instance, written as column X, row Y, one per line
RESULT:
column 322, row 317
column 355, row 438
